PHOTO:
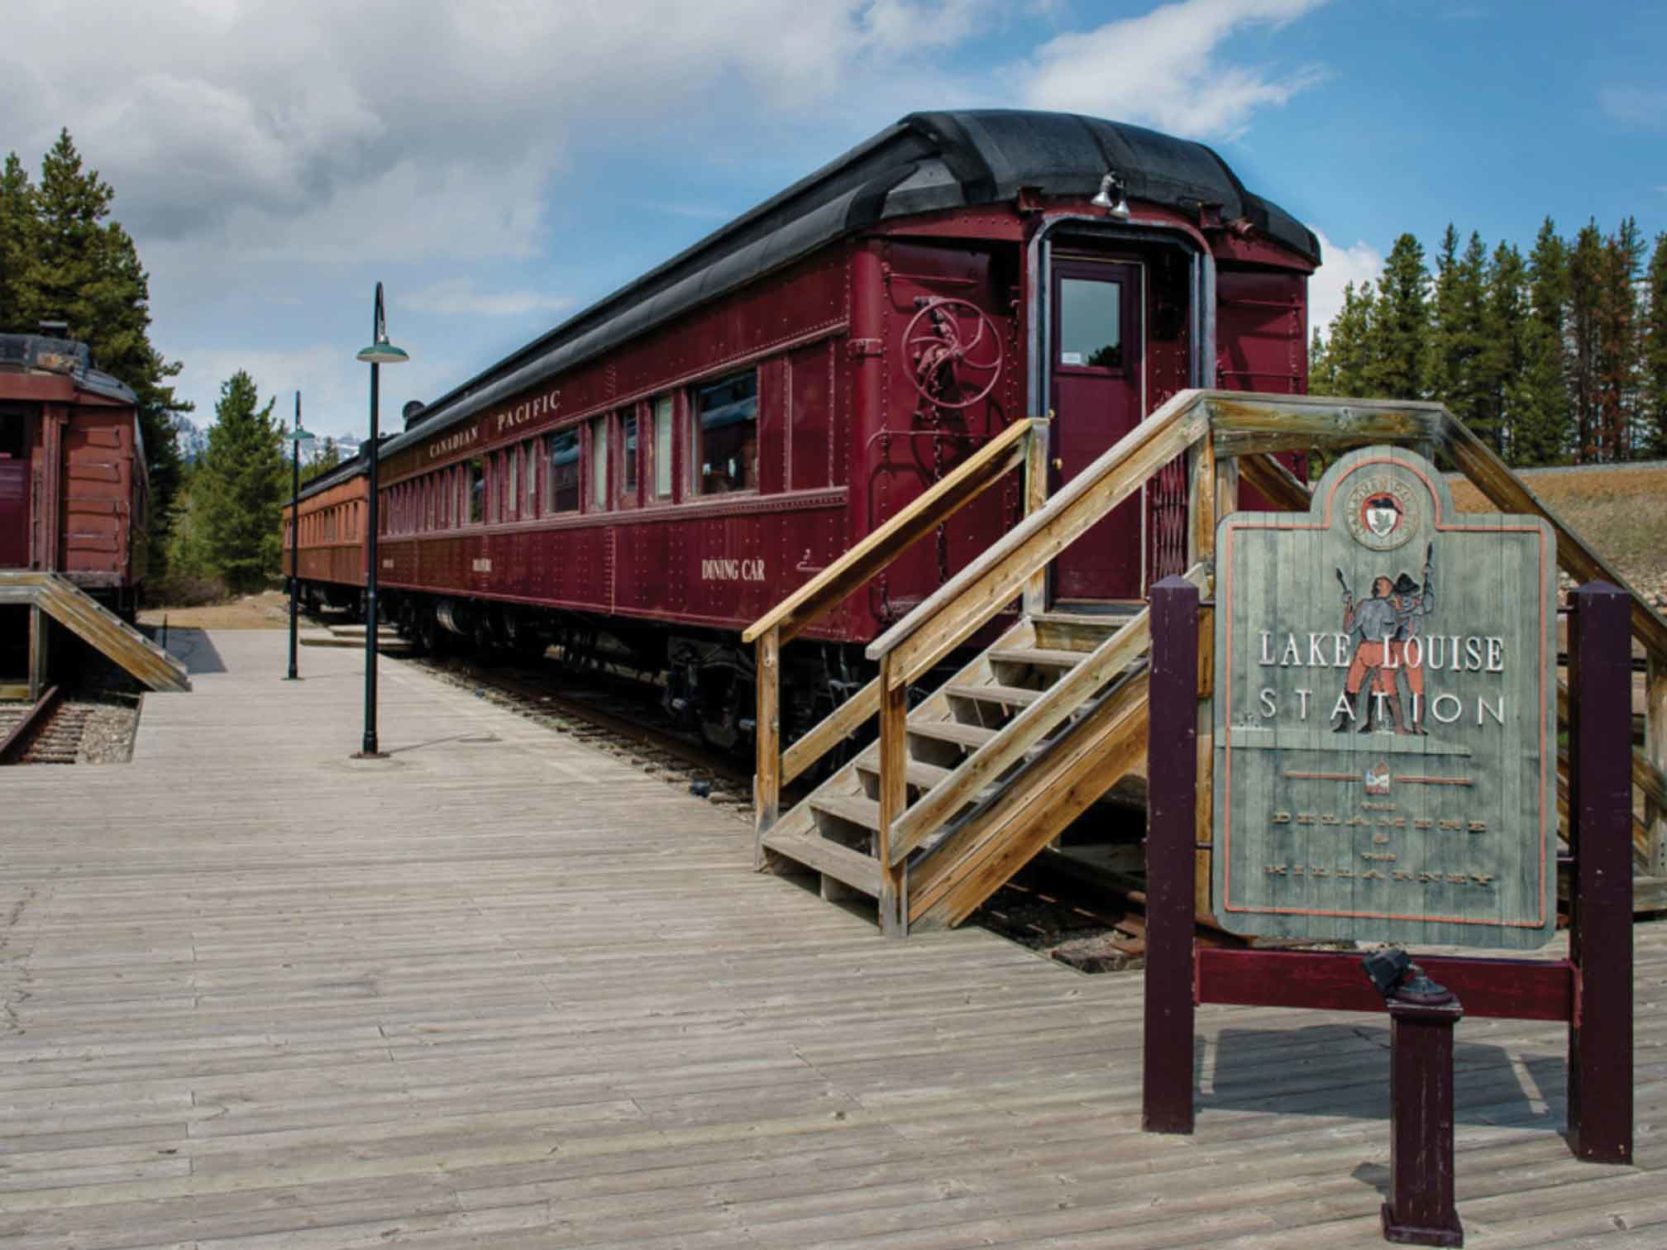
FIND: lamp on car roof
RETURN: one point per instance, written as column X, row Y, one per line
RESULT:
column 1112, row 196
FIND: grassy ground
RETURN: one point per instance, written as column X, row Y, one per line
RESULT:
column 1620, row 511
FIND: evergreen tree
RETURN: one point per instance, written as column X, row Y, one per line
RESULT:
column 1400, row 325
column 1586, row 268
column 1456, row 335
column 86, row 272
column 1544, row 420
column 18, row 246
column 1503, row 358
column 1348, row 353
column 1321, row 378
column 1618, row 344
column 240, row 487
column 326, row 458
column 1653, row 383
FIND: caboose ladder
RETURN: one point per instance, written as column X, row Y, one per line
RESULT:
column 991, row 765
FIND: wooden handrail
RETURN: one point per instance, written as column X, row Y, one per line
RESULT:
column 1021, row 444
column 998, row 575
column 919, row 517
column 1507, row 491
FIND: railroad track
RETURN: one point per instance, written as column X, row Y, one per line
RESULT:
column 48, row 732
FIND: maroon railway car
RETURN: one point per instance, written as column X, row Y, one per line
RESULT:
column 653, row 474
column 332, row 556
column 74, row 496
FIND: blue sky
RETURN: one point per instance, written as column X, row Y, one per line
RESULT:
column 501, row 163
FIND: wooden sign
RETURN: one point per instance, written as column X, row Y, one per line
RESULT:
column 1385, row 715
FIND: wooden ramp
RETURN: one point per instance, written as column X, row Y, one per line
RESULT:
column 503, row 990
column 95, row 625
column 974, row 775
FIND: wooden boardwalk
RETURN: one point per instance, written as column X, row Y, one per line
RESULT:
column 502, row 990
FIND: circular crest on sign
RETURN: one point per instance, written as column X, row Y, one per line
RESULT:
column 1381, row 512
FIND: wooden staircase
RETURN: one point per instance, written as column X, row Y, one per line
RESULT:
column 1053, row 696
column 991, row 764
column 95, row 625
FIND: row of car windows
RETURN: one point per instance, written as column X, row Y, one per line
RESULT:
column 625, row 458
column 336, row 523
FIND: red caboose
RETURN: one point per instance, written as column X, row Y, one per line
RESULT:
column 74, row 497
column 655, row 473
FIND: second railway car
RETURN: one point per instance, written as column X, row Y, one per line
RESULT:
column 652, row 475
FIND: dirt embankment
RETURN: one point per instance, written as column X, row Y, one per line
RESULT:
column 1621, row 510
column 267, row 610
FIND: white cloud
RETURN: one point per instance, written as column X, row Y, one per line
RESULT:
column 459, row 296
column 1165, row 68
column 335, row 388
column 1635, row 106
column 1339, row 266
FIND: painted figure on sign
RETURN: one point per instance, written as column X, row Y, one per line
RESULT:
column 1372, row 625
column 1413, row 602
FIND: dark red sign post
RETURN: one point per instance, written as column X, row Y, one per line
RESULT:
column 1591, row 990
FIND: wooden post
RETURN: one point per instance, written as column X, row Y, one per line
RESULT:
column 1172, row 789
column 1035, row 495
column 1600, row 835
column 894, row 763
column 766, row 782
column 1655, row 748
column 1420, row 1210
column 39, row 624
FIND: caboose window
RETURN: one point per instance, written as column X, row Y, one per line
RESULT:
column 512, row 497
column 662, row 447
column 726, row 428
column 564, row 471
column 1090, row 329
column 599, row 463
column 477, row 490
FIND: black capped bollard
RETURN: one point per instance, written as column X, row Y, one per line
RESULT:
column 1422, row 1014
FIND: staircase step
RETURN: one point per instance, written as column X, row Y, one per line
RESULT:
column 855, row 808
column 859, row 871
column 921, row 775
column 1007, row 696
column 1037, row 657
column 1075, row 631
column 962, row 735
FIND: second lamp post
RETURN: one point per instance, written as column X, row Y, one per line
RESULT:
column 379, row 353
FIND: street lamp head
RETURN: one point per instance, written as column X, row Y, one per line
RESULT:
column 382, row 352
column 303, row 437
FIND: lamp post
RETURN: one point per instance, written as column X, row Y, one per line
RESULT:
column 379, row 353
column 297, row 438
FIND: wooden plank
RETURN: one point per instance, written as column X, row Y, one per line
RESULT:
column 1536, row 989
column 881, row 546
column 894, row 797
column 1244, row 424
column 505, row 988
column 1035, row 598
column 850, row 867
column 833, row 729
column 1010, row 744
column 979, row 856
column 994, row 578
column 1274, row 482
column 1655, row 752
column 767, row 771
